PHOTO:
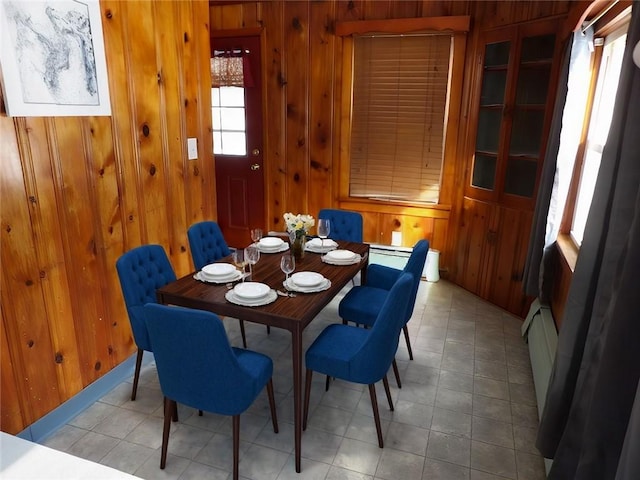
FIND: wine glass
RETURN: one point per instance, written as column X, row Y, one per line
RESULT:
column 239, row 260
column 251, row 255
column 324, row 227
column 256, row 234
column 287, row 265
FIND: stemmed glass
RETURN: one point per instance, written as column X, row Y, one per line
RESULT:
column 324, row 227
column 287, row 265
column 239, row 260
column 256, row 234
column 251, row 255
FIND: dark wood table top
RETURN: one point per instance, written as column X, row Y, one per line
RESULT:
column 285, row 312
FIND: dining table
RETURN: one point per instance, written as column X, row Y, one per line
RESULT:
column 292, row 313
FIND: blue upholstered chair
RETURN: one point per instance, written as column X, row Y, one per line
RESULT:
column 207, row 244
column 197, row 367
column 141, row 271
column 362, row 303
column 361, row 355
column 345, row 225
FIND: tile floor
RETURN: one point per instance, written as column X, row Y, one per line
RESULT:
column 466, row 410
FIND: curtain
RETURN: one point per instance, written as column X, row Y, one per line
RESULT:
column 591, row 417
column 231, row 69
column 564, row 139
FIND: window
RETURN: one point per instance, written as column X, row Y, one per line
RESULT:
column 229, row 77
column 399, row 112
column 603, row 102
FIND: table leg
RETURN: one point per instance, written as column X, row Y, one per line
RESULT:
column 296, row 349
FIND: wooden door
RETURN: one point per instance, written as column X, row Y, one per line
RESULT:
column 237, row 125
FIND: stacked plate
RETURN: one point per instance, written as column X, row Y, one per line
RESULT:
column 307, row 282
column 341, row 257
column 272, row 245
column 317, row 245
column 218, row 273
column 251, row 294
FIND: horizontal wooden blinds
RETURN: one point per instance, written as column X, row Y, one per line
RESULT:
column 399, row 110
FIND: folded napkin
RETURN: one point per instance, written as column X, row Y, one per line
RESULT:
column 317, row 242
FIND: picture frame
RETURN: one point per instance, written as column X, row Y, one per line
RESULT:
column 52, row 58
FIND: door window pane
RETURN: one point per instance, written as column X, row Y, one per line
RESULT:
column 526, row 132
column 521, row 177
column 229, row 121
column 493, row 85
column 489, row 121
column 496, row 54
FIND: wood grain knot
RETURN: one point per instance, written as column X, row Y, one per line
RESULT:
column 28, row 283
column 396, row 223
column 59, row 358
column 98, row 366
column 30, row 343
column 295, row 23
column 43, row 274
column 108, row 14
column 145, row 130
column 110, row 350
column 186, row 37
column 183, row 248
column 296, row 177
column 8, row 229
column 152, row 170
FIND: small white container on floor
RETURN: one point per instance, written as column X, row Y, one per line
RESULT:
column 432, row 269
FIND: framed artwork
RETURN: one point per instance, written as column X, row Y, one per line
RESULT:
column 52, row 58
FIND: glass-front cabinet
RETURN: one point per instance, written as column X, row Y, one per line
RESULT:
column 512, row 105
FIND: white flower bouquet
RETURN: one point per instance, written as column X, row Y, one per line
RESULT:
column 300, row 224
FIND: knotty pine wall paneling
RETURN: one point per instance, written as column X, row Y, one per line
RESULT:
column 77, row 192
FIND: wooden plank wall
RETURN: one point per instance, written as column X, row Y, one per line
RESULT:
column 77, row 192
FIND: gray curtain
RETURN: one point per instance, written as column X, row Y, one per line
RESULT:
column 591, row 418
column 537, row 253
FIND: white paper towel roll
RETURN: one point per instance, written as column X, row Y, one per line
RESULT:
column 432, row 269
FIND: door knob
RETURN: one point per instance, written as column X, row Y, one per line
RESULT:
column 255, row 152
column 255, row 166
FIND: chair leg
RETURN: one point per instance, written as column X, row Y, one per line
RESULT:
column 272, row 405
column 406, row 338
column 169, row 407
column 307, row 393
column 244, row 337
column 385, row 382
column 236, row 445
column 136, row 374
column 326, row 383
column 376, row 414
column 396, row 373
column 268, row 330
column 199, row 413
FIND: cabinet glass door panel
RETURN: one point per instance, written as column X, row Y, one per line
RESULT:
column 538, row 48
column 533, row 84
column 488, row 136
column 497, row 54
column 526, row 132
column 484, row 171
column 520, row 178
column 493, row 87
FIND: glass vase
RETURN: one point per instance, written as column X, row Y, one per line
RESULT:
column 298, row 242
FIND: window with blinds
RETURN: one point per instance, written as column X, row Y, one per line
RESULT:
column 400, row 96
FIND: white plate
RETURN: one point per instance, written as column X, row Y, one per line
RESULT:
column 319, row 243
column 251, row 290
column 270, row 242
column 356, row 259
column 340, row 255
column 270, row 297
column 324, row 285
column 214, row 270
column 232, row 277
column 281, row 248
column 306, row 279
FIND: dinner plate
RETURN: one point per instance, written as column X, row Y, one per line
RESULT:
column 329, row 260
column 324, row 285
column 232, row 277
column 270, row 242
column 314, row 245
column 280, row 248
column 270, row 297
column 340, row 255
column 215, row 270
column 251, row 290
column 306, row 279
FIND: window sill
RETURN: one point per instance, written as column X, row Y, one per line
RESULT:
column 568, row 250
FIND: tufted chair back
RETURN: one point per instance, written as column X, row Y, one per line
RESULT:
column 345, row 225
column 207, row 243
column 141, row 271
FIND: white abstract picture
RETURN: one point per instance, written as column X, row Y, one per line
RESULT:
column 53, row 58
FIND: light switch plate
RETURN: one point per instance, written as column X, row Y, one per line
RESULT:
column 192, row 148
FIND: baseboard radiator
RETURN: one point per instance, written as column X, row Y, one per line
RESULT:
column 539, row 331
